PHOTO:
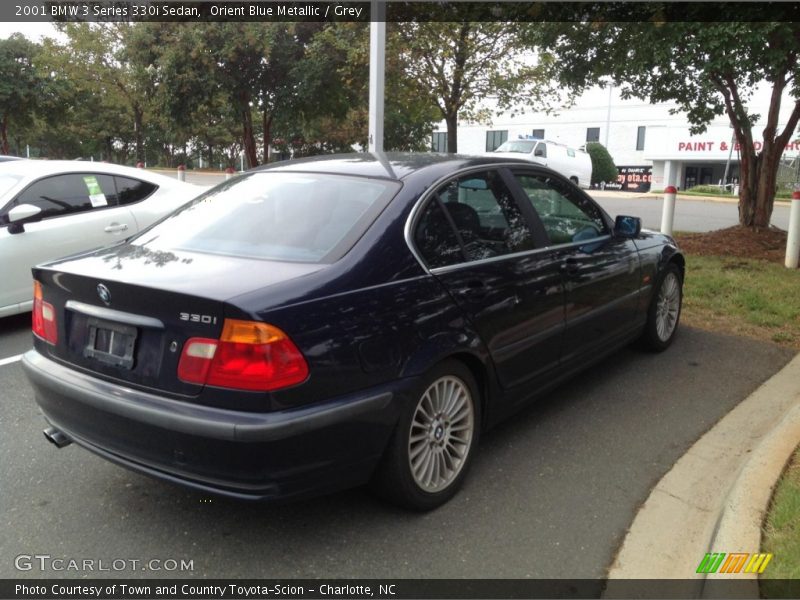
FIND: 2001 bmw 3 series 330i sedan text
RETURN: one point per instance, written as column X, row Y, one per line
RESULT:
column 324, row 323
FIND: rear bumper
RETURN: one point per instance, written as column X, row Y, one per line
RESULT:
column 305, row 451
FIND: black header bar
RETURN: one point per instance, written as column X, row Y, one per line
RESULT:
column 198, row 11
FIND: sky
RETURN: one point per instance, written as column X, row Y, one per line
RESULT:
column 32, row 31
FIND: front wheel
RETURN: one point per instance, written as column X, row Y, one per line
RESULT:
column 432, row 447
column 665, row 310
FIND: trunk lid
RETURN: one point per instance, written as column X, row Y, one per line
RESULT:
column 135, row 332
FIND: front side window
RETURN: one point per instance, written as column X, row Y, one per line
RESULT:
column 566, row 217
column 481, row 215
column 299, row 217
column 68, row 194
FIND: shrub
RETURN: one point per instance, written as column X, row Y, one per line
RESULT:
column 603, row 167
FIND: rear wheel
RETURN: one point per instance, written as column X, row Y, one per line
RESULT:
column 432, row 447
column 665, row 310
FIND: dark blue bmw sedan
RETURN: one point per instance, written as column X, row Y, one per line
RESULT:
column 326, row 323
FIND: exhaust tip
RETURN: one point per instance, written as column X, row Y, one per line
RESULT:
column 56, row 437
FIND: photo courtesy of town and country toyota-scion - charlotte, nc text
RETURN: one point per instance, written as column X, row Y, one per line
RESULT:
column 203, row 590
column 164, row 10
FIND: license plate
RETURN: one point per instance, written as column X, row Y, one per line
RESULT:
column 111, row 343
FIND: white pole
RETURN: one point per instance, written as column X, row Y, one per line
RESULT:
column 608, row 115
column 27, row 151
column 793, row 243
column 241, row 162
column 377, row 64
column 668, row 211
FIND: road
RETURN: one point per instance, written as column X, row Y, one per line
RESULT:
column 690, row 215
column 551, row 493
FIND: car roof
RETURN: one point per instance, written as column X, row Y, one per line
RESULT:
column 41, row 168
column 388, row 165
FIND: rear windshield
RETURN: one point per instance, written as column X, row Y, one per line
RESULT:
column 299, row 217
column 521, row 146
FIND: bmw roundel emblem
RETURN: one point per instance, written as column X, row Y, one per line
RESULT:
column 104, row 294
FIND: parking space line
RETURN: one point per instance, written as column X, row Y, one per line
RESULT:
column 10, row 359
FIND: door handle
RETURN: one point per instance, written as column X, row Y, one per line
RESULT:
column 116, row 228
column 570, row 266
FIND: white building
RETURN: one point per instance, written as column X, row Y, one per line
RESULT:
column 645, row 140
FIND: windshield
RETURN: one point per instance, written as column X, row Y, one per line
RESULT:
column 7, row 182
column 520, row 146
column 302, row 217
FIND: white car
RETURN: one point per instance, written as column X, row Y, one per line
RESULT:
column 575, row 165
column 49, row 209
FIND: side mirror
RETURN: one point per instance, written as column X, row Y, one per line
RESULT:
column 627, row 227
column 538, row 152
column 19, row 215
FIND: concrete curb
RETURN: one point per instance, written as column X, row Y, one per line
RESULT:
column 715, row 496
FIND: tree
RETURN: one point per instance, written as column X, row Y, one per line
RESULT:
column 98, row 60
column 250, row 64
column 334, row 80
column 707, row 69
column 603, row 167
column 457, row 65
column 19, row 85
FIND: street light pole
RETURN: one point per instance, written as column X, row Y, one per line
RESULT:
column 377, row 65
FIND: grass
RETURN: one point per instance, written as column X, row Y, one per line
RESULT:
column 782, row 533
column 746, row 297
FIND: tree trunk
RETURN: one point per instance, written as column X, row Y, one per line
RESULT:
column 138, row 118
column 4, row 133
column 452, row 132
column 267, row 130
column 757, row 186
column 248, row 139
column 109, row 144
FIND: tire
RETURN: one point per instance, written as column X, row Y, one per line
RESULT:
column 665, row 310
column 431, row 449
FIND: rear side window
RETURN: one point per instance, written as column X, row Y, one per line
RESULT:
column 435, row 238
column 301, row 217
column 67, row 194
column 471, row 218
column 130, row 190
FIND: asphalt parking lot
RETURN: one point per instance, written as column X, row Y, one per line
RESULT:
column 551, row 493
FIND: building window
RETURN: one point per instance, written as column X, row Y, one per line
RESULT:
column 538, row 133
column 592, row 134
column 640, row 137
column 494, row 139
column 439, row 141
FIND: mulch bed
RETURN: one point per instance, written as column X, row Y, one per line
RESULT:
column 740, row 242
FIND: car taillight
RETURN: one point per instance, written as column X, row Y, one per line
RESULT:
column 248, row 356
column 44, row 317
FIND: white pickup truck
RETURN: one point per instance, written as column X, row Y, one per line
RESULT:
column 575, row 165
